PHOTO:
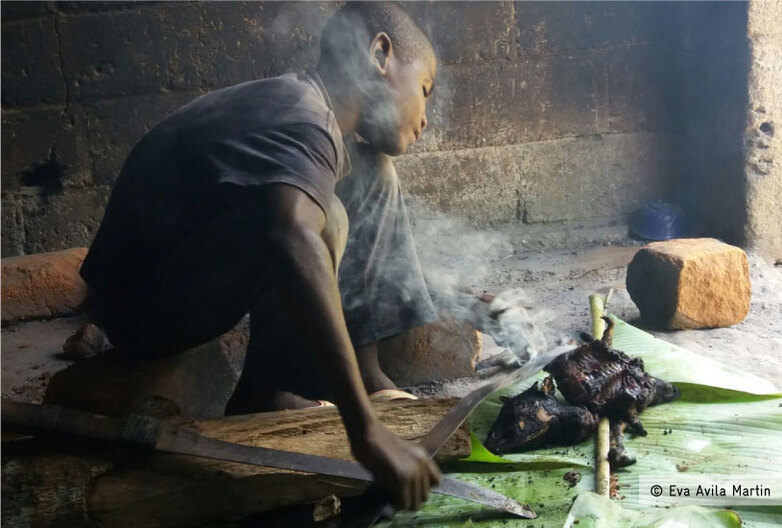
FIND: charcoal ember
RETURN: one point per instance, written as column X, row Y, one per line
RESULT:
column 608, row 382
column 535, row 418
column 86, row 342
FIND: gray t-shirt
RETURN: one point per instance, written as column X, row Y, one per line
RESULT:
column 278, row 130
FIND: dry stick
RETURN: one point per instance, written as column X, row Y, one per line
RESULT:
column 602, row 468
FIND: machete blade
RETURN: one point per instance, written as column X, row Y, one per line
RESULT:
column 173, row 439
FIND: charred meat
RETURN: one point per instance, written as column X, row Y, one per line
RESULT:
column 608, row 382
column 535, row 418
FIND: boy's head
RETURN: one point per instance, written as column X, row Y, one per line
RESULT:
column 387, row 65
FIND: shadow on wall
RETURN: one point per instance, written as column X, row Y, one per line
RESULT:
column 713, row 65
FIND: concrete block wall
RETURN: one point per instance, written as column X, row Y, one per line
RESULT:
column 763, row 134
column 556, row 113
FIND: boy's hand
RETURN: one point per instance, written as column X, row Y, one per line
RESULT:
column 403, row 468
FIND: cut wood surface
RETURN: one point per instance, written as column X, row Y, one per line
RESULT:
column 151, row 489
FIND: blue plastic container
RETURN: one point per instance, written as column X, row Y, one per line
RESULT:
column 660, row 221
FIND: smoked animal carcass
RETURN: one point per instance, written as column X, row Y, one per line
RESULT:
column 535, row 418
column 608, row 382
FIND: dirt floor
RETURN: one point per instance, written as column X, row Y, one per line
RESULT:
column 559, row 281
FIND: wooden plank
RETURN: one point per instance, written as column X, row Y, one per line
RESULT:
column 143, row 488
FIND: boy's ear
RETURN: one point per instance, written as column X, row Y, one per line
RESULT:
column 380, row 50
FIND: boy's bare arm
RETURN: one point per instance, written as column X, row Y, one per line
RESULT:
column 303, row 264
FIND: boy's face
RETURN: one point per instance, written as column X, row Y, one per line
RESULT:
column 394, row 110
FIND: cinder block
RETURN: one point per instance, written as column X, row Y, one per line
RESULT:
column 68, row 219
column 113, row 53
column 643, row 98
column 466, row 31
column 563, row 27
column 690, row 283
column 31, row 65
column 479, row 184
column 192, row 46
column 27, row 140
column 19, row 10
column 599, row 177
column 442, row 350
column 516, row 102
column 43, row 285
column 566, row 179
column 12, row 229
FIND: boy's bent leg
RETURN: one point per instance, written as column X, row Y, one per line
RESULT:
column 194, row 293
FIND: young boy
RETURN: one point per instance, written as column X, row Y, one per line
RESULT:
column 228, row 207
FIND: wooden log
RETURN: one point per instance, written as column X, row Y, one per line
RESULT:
column 150, row 489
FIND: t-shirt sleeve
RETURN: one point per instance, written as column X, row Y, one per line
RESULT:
column 301, row 155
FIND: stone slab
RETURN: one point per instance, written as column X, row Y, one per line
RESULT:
column 42, row 286
column 690, row 283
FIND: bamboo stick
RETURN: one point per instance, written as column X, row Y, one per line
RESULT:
column 602, row 441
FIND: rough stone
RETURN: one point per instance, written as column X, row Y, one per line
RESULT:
column 31, row 64
column 44, row 285
column 64, row 220
column 442, row 350
column 197, row 383
column 690, row 283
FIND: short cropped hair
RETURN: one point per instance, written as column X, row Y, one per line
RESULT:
column 353, row 26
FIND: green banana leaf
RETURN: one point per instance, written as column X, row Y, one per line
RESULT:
column 725, row 422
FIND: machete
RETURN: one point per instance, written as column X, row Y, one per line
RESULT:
column 154, row 433
column 448, row 424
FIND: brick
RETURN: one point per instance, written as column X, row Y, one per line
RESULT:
column 443, row 350
column 564, row 27
column 64, row 220
column 12, row 229
column 690, row 283
column 507, row 103
column 42, row 286
column 466, row 31
column 31, row 63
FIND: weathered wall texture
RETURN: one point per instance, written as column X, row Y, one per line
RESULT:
column 543, row 113
column 763, row 146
